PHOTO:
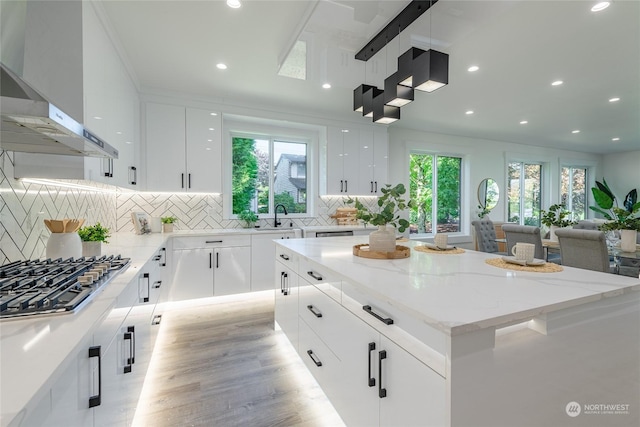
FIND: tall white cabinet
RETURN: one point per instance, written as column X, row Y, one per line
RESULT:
column 183, row 149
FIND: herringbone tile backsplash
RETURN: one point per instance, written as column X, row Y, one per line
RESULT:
column 24, row 206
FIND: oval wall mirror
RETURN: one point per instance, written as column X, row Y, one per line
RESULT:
column 488, row 193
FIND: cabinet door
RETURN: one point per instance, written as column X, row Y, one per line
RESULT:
column 263, row 257
column 366, row 148
column 380, row 160
column 286, row 302
column 415, row 394
column 232, row 270
column 342, row 161
column 192, row 274
column 165, row 147
column 204, row 151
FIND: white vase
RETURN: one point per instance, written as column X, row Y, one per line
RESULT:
column 628, row 240
column 90, row 249
column 64, row 245
column 552, row 233
column 383, row 240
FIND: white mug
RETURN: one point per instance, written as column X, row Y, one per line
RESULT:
column 440, row 240
column 524, row 251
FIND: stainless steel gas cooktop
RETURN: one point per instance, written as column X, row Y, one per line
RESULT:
column 49, row 286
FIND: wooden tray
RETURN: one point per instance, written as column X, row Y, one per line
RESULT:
column 364, row 252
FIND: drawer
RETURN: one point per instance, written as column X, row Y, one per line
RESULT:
column 321, row 277
column 287, row 257
column 319, row 360
column 214, row 241
column 333, row 324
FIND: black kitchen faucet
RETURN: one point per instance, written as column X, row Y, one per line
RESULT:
column 275, row 213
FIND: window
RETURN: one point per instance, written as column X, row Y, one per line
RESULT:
column 434, row 185
column 573, row 191
column 524, row 183
column 268, row 171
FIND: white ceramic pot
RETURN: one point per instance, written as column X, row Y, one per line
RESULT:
column 383, row 240
column 167, row 228
column 552, row 233
column 628, row 240
column 90, row 249
column 64, row 245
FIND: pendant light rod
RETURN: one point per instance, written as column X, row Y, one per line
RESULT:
column 405, row 18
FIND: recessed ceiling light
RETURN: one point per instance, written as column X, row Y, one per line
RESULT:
column 575, row 131
column 614, row 100
column 211, row 129
column 524, row 122
column 469, row 112
column 600, row 6
column 615, row 139
column 473, row 68
column 326, row 86
column 118, row 133
column 221, row 66
column 209, row 140
column 214, row 114
column 345, row 130
column 128, row 142
column 234, row 4
column 208, row 148
column 557, row 83
column 97, row 117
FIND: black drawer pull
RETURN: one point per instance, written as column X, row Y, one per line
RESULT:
column 382, row 392
column 314, row 275
column 96, row 399
column 157, row 257
column 314, row 311
column 128, row 336
column 372, row 381
column 157, row 284
column 156, row 319
column 386, row 321
column 284, row 257
column 314, row 358
column 213, row 241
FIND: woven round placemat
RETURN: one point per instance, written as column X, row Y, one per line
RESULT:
column 547, row 267
column 428, row 250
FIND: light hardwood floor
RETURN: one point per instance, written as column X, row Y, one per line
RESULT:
column 222, row 364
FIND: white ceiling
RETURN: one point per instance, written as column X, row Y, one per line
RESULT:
column 520, row 47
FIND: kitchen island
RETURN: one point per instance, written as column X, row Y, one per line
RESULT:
column 491, row 346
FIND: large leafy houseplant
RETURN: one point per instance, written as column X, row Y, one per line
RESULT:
column 619, row 218
column 390, row 204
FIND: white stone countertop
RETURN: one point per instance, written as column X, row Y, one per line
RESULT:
column 460, row 293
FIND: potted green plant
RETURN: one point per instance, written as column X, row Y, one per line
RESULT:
column 556, row 217
column 167, row 223
column 92, row 237
column 390, row 204
column 249, row 217
column 623, row 219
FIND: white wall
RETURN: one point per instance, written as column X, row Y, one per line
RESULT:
column 622, row 172
column 484, row 159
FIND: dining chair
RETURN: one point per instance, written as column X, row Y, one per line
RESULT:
column 515, row 233
column 585, row 225
column 486, row 236
column 584, row 249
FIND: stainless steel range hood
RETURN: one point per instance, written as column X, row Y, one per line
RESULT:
column 32, row 124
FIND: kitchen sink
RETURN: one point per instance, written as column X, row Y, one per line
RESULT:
column 275, row 229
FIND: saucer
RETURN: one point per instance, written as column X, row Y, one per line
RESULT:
column 536, row 262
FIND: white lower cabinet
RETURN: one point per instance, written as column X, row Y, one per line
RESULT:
column 210, row 266
column 286, row 299
column 263, row 257
column 370, row 380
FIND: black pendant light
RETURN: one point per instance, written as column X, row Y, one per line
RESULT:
column 383, row 113
column 430, row 71
column 405, row 66
column 367, row 101
column 395, row 94
column 358, row 94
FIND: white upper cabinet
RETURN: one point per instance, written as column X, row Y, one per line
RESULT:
column 183, row 149
column 356, row 161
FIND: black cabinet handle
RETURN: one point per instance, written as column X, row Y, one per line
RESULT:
column 282, row 282
column 157, row 257
column 133, row 171
column 132, row 329
column 213, row 241
column 163, row 256
column 284, row 257
column 372, row 186
column 181, row 180
column 346, row 190
column 96, row 400
column 286, row 283
column 341, row 185
column 109, row 168
column 128, row 336
column 382, row 392
column 156, row 319
column 145, row 276
column 217, row 259
column 157, row 284
column 314, row 358
column 372, row 381
column 386, row 321
column 315, row 276
column 210, row 260
column 376, row 183
column 189, row 180
column 313, row 310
